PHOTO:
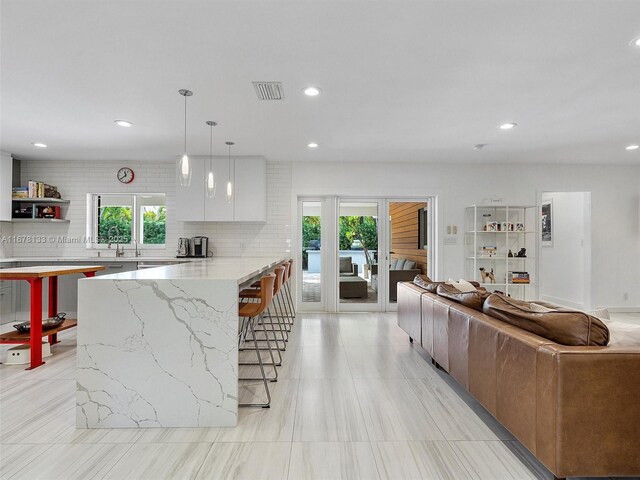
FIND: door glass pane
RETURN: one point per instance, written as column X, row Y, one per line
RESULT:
column 311, row 259
column 408, row 247
column 358, row 252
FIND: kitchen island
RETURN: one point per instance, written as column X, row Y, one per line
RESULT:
column 159, row 348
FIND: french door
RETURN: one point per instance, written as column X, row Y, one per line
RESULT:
column 350, row 250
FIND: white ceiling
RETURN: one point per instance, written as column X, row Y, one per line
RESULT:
column 401, row 81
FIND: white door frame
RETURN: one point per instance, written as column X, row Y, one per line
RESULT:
column 329, row 288
column 382, row 247
column 326, row 245
column 430, row 200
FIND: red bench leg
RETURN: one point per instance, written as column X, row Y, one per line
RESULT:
column 36, row 323
column 53, row 305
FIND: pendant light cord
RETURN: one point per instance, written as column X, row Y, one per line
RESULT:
column 211, row 149
column 185, row 124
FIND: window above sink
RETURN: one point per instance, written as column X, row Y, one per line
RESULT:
column 126, row 219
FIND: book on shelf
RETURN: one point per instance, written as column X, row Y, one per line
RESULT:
column 40, row 190
column 519, row 277
column 488, row 251
column 20, row 192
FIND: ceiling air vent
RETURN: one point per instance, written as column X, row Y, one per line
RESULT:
column 269, row 90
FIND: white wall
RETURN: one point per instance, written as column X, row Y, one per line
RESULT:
column 74, row 180
column 615, row 203
column 565, row 265
column 615, row 219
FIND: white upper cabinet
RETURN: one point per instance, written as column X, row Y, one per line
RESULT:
column 190, row 200
column 249, row 201
column 250, row 190
column 6, row 169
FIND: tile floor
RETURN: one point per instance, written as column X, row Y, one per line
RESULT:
column 354, row 401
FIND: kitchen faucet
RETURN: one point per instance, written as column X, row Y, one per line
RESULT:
column 119, row 253
column 135, row 242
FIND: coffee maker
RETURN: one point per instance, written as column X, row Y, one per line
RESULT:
column 198, row 247
column 183, row 247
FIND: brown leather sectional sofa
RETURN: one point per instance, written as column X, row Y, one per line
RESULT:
column 577, row 409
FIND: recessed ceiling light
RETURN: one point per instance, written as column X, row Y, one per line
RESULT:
column 508, row 126
column 312, row 91
column 479, row 146
column 313, row 145
column 39, row 145
column 123, row 123
column 635, row 42
column 633, row 147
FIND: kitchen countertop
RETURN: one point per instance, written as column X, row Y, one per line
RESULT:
column 98, row 259
column 159, row 347
column 239, row 269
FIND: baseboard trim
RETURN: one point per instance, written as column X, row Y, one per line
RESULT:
column 624, row 309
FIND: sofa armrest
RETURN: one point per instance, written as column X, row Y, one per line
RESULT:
column 355, row 269
column 588, row 410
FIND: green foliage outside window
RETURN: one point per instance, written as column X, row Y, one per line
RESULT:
column 154, row 225
column 353, row 229
column 310, row 231
column 154, row 221
column 119, row 217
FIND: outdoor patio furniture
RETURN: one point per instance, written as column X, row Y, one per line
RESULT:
column 353, row 287
column 347, row 267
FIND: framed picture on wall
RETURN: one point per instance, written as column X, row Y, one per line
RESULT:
column 547, row 223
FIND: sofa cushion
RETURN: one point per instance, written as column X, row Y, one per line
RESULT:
column 409, row 265
column 563, row 326
column 474, row 299
column 399, row 264
column 393, row 264
column 426, row 283
column 345, row 265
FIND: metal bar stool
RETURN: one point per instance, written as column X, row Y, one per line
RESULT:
column 287, row 291
column 276, row 312
column 250, row 313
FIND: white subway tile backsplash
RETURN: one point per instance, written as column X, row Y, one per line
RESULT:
column 75, row 180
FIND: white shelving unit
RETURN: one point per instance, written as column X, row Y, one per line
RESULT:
column 35, row 202
column 503, row 228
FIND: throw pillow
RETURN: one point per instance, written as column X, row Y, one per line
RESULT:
column 622, row 334
column 465, row 286
column 601, row 313
column 393, row 265
column 400, row 264
column 537, row 308
column 409, row 264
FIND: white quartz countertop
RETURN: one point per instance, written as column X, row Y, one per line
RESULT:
column 94, row 259
column 238, row 269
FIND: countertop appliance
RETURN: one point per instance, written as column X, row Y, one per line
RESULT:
column 198, row 247
column 183, row 247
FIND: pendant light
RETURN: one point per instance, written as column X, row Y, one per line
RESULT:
column 229, row 192
column 210, row 178
column 184, row 167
